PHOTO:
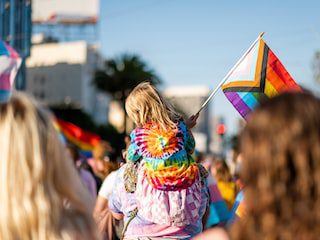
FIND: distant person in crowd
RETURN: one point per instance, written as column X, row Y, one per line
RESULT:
column 86, row 176
column 226, row 185
column 41, row 195
column 161, row 192
column 281, row 171
column 109, row 227
column 236, row 177
column 101, row 165
column 218, row 213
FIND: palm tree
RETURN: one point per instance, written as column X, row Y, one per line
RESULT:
column 121, row 74
column 316, row 66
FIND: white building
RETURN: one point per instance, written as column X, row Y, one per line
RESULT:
column 63, row 73
column 42, row 9
column 188, row 100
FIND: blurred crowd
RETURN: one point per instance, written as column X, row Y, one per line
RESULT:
column 270, row 189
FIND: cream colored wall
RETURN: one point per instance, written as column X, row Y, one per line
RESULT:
column 42, row 9
column 63, row 72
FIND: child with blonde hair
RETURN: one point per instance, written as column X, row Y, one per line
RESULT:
column 162, row 191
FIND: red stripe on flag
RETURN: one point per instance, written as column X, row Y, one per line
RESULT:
column 279, row 69
column 78, row 133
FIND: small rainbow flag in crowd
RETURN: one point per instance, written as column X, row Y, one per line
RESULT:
column 84, row 140
column 10, row 62
column 238, row 209
column 259, row 76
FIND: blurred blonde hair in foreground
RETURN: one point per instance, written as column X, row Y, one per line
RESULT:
column 145, row 105
column 41, row 195
column 280, row 147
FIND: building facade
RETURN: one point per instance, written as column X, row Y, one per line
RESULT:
column 65, row 55
column 62, row 73
column 67, row 28
column 15, row 29
column 187, row 100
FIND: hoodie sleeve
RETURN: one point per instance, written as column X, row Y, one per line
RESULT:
column 133, row 153
column 189, row 142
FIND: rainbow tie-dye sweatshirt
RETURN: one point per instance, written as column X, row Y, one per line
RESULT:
column 167, row 155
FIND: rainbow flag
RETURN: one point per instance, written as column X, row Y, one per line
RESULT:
column 84, row 140
column 259, row 76
column 58, row 129
column 10, row 62
column 238, row 209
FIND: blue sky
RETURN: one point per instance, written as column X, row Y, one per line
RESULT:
column 190, row 42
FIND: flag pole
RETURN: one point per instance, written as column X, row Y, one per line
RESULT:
column 230, row 72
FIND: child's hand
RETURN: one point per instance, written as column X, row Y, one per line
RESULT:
column 192, row 121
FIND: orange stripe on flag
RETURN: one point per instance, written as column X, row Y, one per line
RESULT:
column 275, row 80
column 276, row 65
column 259, row 63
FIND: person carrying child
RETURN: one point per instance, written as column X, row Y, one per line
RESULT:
column 161, row 192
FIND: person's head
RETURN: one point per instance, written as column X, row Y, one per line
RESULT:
column 280, row 148
column 221, row 171
column 145, row 105
column 36, row 178
column 101, row 151
column 103, row 154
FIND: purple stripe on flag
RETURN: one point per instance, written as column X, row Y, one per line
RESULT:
column 237, row 102
column 5, row 83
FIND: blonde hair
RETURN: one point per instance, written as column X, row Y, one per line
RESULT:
column 41, row 195
column 145, row 105
column 222, row 171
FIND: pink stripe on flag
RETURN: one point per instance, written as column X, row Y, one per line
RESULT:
column 5, row 83
column 12, row 52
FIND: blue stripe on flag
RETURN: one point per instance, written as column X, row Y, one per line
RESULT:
column 249, row 99
column 233, row 215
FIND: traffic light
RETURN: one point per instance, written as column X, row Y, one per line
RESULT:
column 221, row 129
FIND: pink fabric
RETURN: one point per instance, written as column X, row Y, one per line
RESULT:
column 215, row 194
column 12, row 52
column 155, row 230
column 5, row 83
column 124, row 202
column 172, row 208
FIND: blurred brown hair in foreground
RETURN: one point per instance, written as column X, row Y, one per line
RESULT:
column 41, row 194
column 281, row 170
